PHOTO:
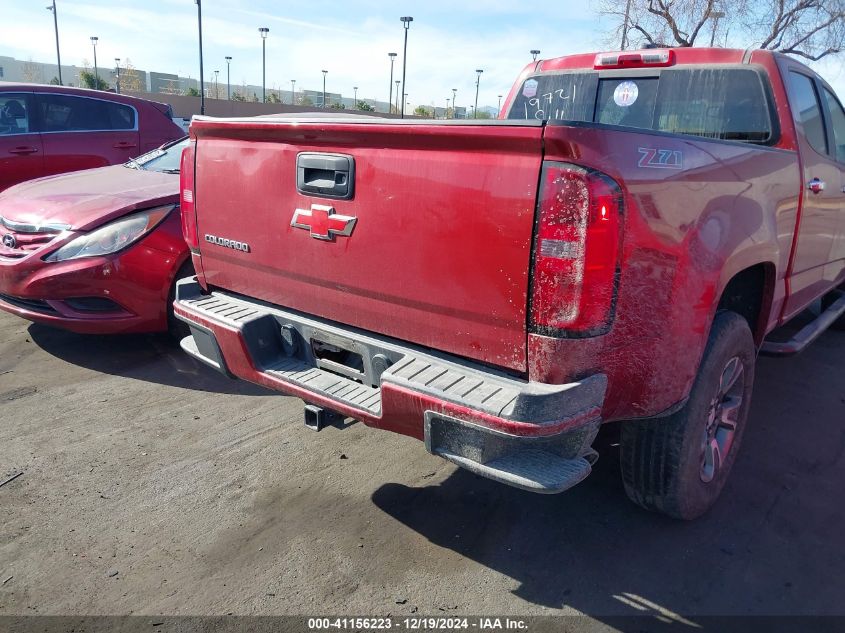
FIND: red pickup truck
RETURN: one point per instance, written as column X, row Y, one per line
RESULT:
column 617, row 246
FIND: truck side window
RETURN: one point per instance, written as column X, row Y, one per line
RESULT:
column 805, row 106
column 837, row 121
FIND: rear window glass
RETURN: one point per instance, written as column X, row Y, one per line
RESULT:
column 561, row 97
column 627, row 102
column 728, row 104
column 720, row 103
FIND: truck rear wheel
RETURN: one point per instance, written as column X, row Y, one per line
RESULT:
column 678, row 465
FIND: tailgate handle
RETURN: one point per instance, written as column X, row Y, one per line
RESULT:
column 325, row 175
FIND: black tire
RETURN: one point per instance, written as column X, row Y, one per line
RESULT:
column 663, row 459
column 828, row 300
column 175, row 328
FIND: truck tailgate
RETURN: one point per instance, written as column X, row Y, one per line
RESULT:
column 438, row 253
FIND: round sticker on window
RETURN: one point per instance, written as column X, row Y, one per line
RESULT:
column 626, row 94
column 529, row 89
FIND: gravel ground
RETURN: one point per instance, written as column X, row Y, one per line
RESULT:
column 151, row 485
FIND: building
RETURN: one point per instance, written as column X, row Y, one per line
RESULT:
column 14, row 70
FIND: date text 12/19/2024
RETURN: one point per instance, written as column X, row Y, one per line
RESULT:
column 420, row 623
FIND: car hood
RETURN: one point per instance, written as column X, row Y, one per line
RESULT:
column 83, row 200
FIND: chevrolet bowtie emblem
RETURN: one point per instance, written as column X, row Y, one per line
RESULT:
column 322, row 222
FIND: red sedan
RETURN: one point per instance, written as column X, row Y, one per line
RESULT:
column 47, row 130
column 96, row 251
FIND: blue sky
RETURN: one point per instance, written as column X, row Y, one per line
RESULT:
column 448, row 40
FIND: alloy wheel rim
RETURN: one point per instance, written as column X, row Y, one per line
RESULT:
column 722, row 419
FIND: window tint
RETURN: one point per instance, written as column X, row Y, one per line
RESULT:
column 724, row 103
column 806, row 111
column 64, row 113
column 627, row 102
column 837, row 120
column 562, row 97
column 14, row 116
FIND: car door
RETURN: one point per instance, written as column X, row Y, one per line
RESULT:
column 21, row 151
column 85, row 132
column 821, row 216
column 836, row 115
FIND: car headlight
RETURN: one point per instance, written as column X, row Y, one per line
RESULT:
column 112, row 237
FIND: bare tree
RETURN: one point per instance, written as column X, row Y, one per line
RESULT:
column 807, row 28
column 171, row 88
column 31, row 72
column 130, row 79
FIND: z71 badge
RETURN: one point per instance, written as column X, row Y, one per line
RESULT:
column 655, row 158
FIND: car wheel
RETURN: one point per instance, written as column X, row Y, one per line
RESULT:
column 678, row 465
column 178, row 329
column 828, row 300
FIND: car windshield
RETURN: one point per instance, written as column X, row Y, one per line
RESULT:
column 164, row 159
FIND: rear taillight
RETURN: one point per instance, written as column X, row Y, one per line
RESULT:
column 576, row 252
column 186, row 197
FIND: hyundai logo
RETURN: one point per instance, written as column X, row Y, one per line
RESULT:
column 9, row 241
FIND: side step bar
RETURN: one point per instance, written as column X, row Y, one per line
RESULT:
column 808, row 333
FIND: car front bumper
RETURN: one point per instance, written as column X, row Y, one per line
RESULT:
column 126, row 292
column 530, row 435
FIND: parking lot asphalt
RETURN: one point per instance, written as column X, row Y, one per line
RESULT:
column 152, row 485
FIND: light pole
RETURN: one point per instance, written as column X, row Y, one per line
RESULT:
column 56, row 26
column 94, row 40
column 117, row 72
column 477, row 85
column 446, row 113
column 392, row 57
column 397, row 95
column 534, row 52
column 454, row 103
column 263, row 31
column 202, row 84
column 325, row 72
column 406, row 22
column 715, row 15
column 355, row 100
column 499, row 107
column 292, row 91
column 228, row 77
column 216, row 85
